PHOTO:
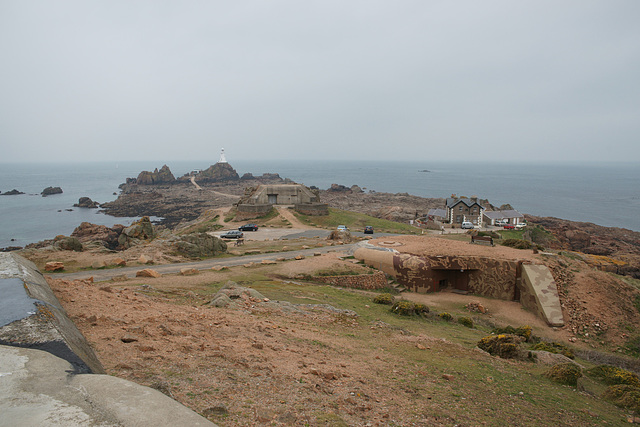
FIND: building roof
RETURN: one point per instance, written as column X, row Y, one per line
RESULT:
column 451, row 202
column 442, row 213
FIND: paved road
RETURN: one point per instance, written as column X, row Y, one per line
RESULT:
column 102, row 275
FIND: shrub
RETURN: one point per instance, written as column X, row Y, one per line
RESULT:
column 614, row 375
column 502, row 345
column 564, row 373
column 421, row 309
column 626, row 396
column 445, row 316
column 404, row 308
column 516, row 243
column 466, row 321
column 387, row 299
column 522, row 331
column 554, row 347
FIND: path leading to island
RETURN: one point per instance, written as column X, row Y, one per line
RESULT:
column 193, row 181
column 130, row 272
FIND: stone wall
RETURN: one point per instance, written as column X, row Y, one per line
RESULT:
column 245, row 211
column 312, row 209
column 377, row 280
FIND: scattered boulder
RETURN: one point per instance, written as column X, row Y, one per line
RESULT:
column 148, row 272
column 188, row 271
column 118, row 261
column 51, row 190
column 86, row 202
column 145, row 259
column 98, row 264
column 232, row 291
column 53, row 266
column 67, row 243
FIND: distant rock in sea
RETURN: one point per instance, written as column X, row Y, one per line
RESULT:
column 51, row 190
column 425, row 170
column 162, row 176
column 86, row 202
column 11, row 193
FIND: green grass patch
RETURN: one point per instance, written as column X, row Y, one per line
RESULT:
column 356, row 222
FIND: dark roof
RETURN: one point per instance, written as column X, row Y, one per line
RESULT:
column 451, row 202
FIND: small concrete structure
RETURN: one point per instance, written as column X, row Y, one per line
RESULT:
column 509, row 217
column 49, row 375
column 507, row 279
column 281, row 194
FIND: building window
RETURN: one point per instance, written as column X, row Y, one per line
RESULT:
column 460, row 208
column 458, row 218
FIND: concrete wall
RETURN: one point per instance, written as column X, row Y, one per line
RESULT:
column 312, row 209
column 285, row 194
column 252, row 211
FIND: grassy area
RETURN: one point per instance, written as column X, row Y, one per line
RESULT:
column 356, row 222
column 484, row 390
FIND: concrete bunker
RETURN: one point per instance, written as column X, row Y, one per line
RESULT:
column 512, row 280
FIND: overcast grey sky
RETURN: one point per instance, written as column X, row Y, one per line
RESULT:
column 424, row 80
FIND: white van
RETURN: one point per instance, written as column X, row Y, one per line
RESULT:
column 466, row 224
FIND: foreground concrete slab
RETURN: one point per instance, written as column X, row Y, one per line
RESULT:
column 40, row 389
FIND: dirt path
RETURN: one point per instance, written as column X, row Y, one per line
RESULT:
column 289, row 216
column 193, row 181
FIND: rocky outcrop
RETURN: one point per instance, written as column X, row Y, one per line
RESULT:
column 197, row 245
column 218, row 173
column 67, row 243
column 13, row 192
column 162, row 176
column 86, row 202
column 51, row 190
column 338, row 188
column 136, row 233
column 107, row 236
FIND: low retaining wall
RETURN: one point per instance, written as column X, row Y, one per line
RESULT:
column 246, row 211
column 377, row 280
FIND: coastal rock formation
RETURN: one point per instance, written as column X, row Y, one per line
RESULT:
column 136, row 232
column 67, row 243
column 218, row 173
column 51, row 190
column 13, row 192
column 162, row 176
column 86, row 202
column 107, row 236
column 197, row 245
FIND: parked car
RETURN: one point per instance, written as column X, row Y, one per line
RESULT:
column 342, row 228
column 233, row 234
column 509, row 226
column 466, row 225
column 248, row 227
column 368, row 229
column 521, row 225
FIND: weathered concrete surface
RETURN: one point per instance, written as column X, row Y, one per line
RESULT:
column 37, row 389
column 37, row 319
column 540, row 293
column 45, row 365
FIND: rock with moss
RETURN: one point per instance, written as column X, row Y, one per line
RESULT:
column 555, row 347
column 565, row 373
column 67, row 244
column 199, row 245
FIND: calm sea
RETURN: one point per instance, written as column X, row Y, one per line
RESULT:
column 605, row 194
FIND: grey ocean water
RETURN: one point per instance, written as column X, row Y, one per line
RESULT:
column 605, row 194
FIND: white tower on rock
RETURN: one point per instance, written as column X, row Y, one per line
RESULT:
column 223, row 159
